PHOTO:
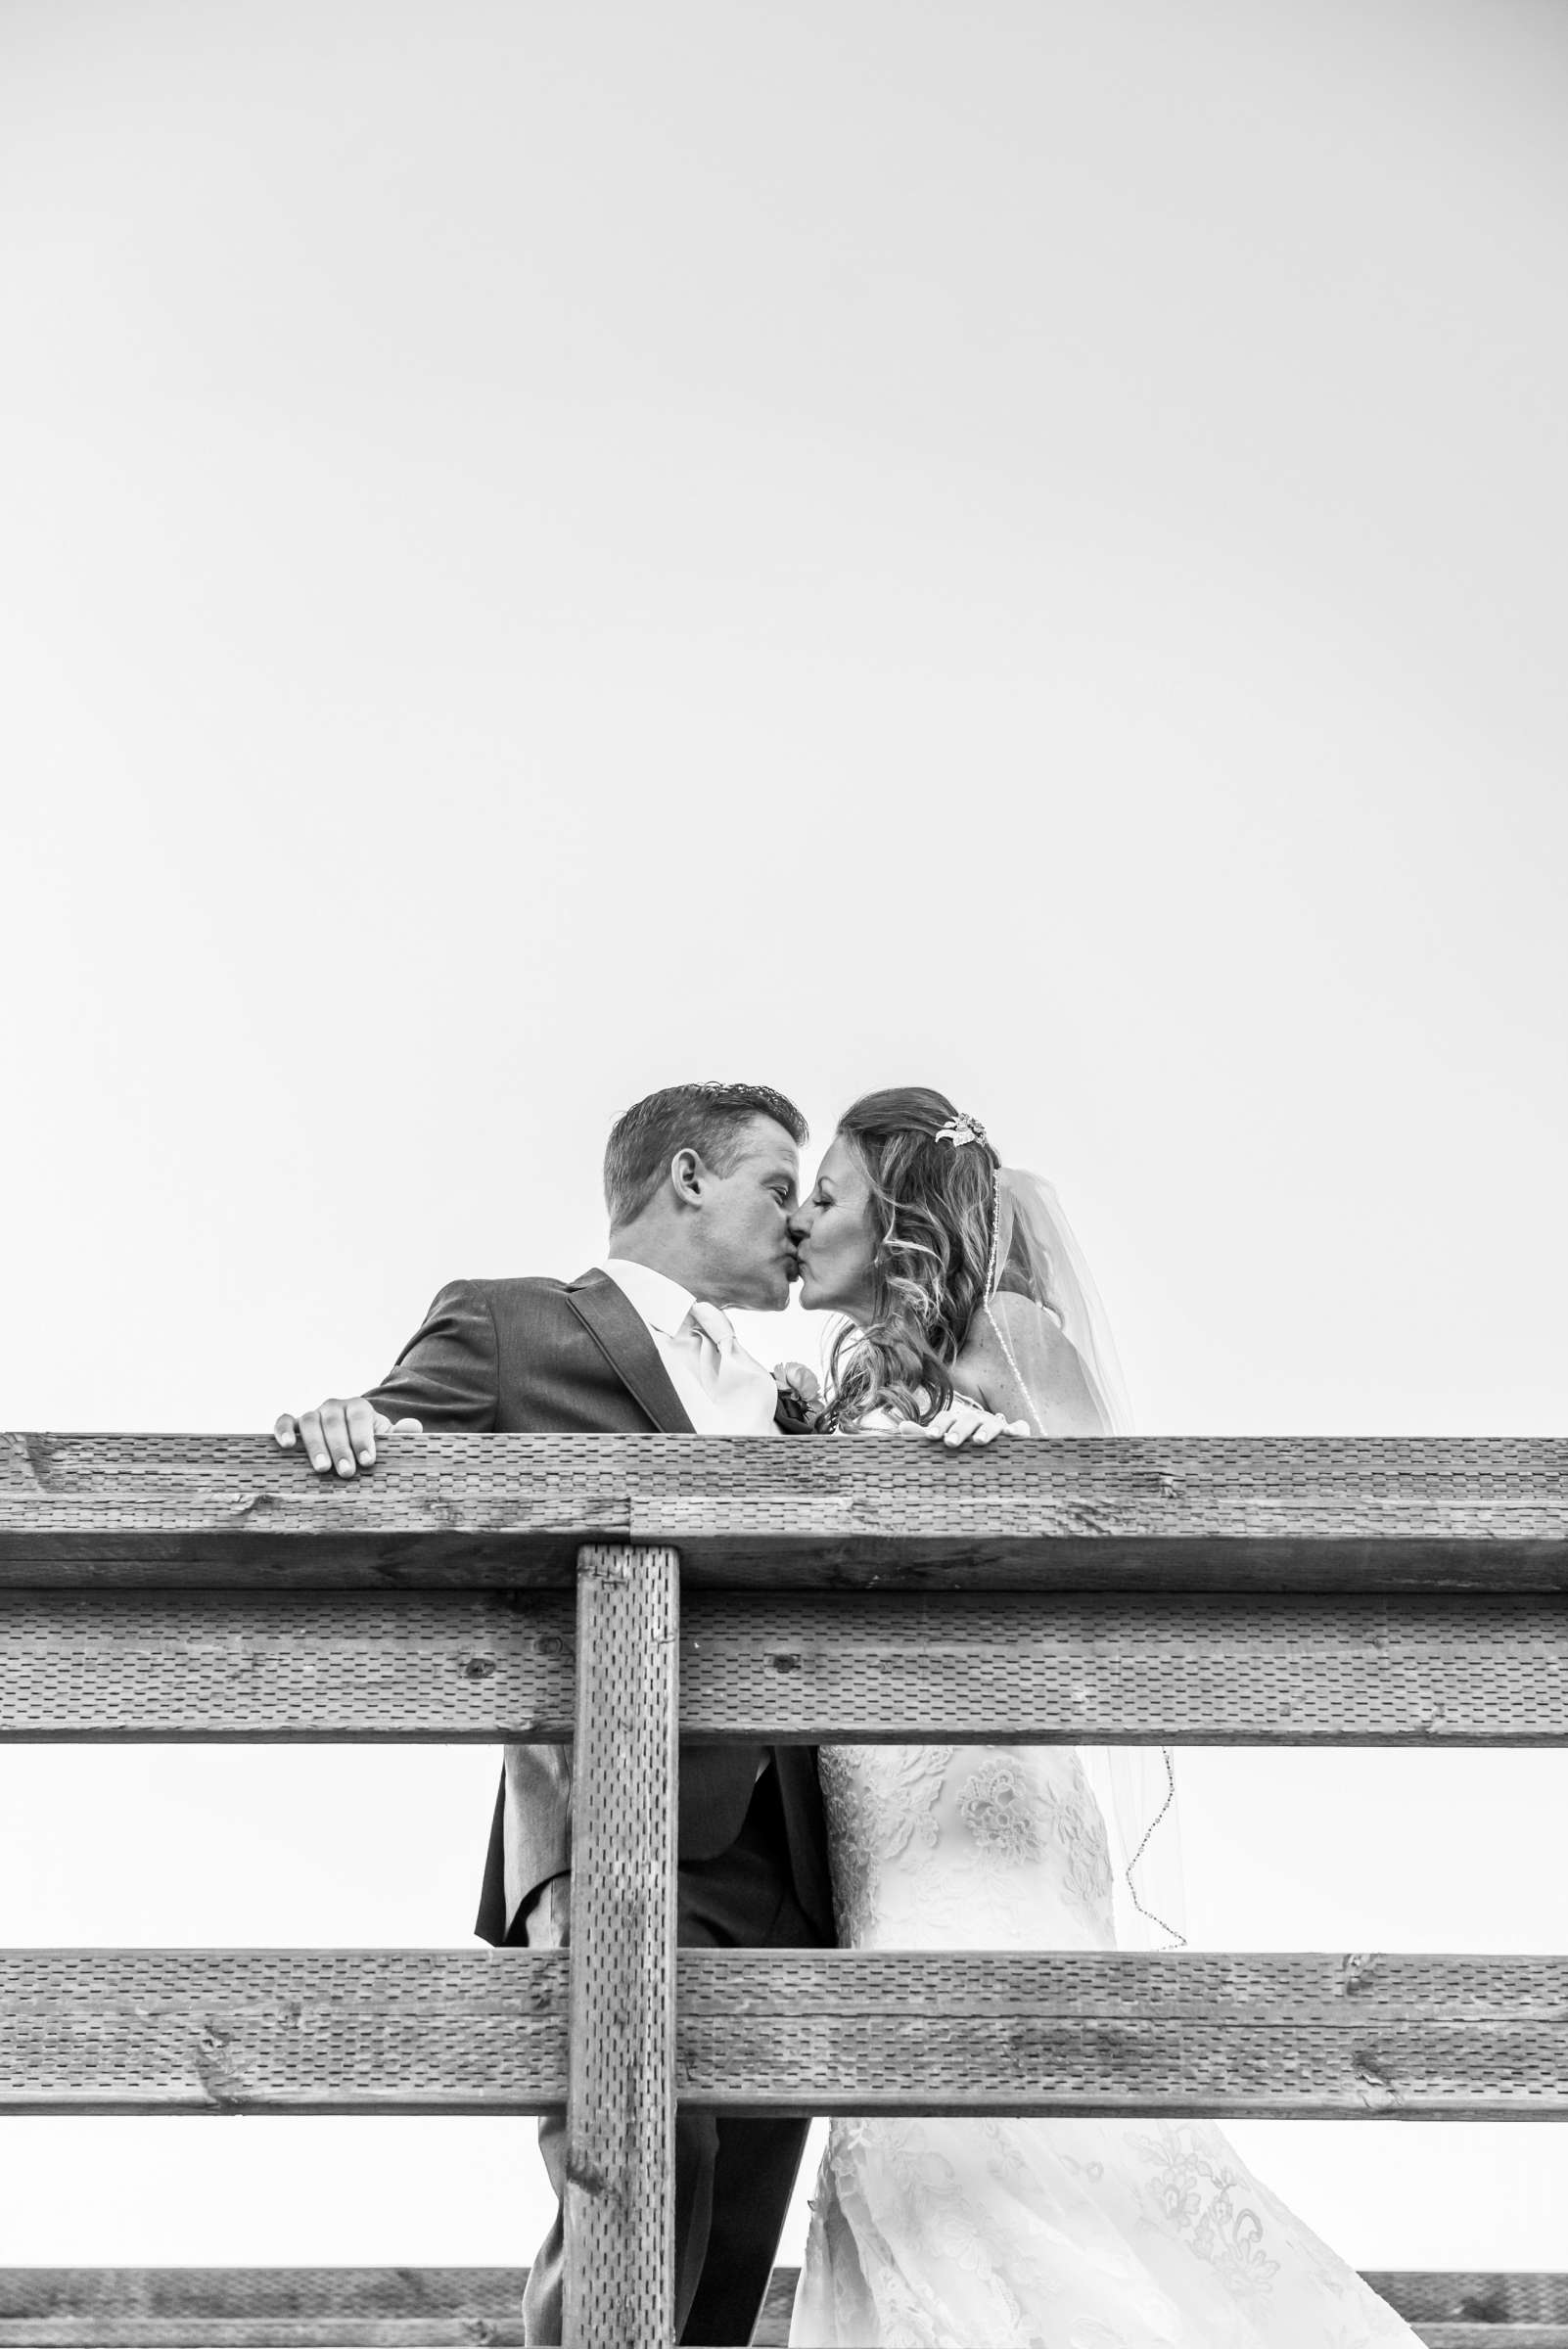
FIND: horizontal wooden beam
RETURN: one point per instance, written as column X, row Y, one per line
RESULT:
column 423, row 2308
column 478, row 1666
column 1104, row 2033
column 818, row 2032
column 512, row 1512
column 327, row 2031
column 1492, row 2301
column 1128, row 1667
column 1492, row 2337
column 153, row 1665
column 260, row 2308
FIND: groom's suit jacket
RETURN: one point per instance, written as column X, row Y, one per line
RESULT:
column 545, row 1357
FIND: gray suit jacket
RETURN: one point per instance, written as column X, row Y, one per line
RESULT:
column 574, row 1358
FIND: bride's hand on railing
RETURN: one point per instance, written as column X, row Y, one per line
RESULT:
column 964, row 1422
column 340, row 1434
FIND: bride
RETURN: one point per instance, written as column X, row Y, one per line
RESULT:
column 964, row 1295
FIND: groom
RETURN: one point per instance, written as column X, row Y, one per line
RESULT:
column 701, row 1183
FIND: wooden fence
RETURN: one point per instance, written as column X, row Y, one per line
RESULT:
column 1205, row 1592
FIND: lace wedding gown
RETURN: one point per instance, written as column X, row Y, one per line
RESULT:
column 1050, row 2234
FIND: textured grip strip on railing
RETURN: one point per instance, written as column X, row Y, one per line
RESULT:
column 1167, row 1666
column 423, row 2308
column 815, row 2031
column 496, row 1512
column 620, row 2171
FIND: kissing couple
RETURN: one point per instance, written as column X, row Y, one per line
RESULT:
column 968, row 1317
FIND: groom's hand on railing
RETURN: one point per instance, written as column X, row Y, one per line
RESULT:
column 340, row 1434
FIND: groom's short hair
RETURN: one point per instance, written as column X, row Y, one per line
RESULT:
column 708, row 1119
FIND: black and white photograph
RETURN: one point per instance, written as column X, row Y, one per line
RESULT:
column 783, row 838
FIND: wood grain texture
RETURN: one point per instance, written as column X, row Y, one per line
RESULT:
column 512, row 1512
column 1029, row 1669
column 260, row 2308
column 427, row 2308
column 1490, row 2336
column 621, row 2111
column 282, row 2031
column 1361, row 2037
column 1486, row 2298
column 1126, row 1668
column 1119, row 1667
column 831, row 2031
column 129, row 1666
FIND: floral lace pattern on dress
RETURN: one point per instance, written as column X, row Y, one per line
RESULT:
column 1034, row 2234
column 924, row 1836
column 1228, row 2234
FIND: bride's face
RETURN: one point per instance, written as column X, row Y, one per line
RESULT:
column 836, row 1242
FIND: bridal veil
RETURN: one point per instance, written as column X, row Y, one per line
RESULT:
column 1036, row 1258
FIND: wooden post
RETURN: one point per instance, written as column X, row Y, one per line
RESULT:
column 621, row 2112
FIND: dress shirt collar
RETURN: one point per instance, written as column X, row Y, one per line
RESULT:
column 662, row 1301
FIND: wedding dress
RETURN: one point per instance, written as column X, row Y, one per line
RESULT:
column 1044, row 2233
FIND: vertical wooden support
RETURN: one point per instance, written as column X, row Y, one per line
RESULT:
column 621, row 2112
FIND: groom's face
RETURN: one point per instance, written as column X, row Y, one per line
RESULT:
column 748, row 1251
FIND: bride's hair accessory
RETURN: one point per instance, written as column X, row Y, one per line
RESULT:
column 960, row 1129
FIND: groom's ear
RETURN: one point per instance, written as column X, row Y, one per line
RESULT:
column 686, row 1171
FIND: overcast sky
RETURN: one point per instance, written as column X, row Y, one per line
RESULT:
column 551, row 550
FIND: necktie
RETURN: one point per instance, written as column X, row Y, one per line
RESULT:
column 742, row 1392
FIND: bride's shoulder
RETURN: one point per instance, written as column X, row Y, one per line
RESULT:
column 1020, row 1360
column 1006, row 1320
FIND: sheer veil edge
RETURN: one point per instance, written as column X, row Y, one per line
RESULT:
column 1038, row 1257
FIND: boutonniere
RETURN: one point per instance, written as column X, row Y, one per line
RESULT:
column 800, row 1395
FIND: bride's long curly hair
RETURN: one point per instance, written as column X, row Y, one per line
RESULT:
column 931, row 1210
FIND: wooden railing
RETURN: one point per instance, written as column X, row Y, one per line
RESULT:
column 1291, row 1592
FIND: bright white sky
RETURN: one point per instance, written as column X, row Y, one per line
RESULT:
column 550, row 550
